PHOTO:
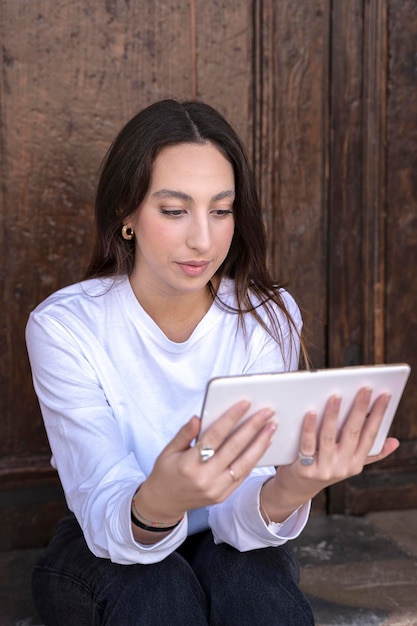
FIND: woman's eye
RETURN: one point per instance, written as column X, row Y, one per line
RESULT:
column 223, row 212
column 172, row 212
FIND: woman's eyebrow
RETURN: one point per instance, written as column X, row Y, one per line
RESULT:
column 172, row 193
column 181, row 195
column 224, row 195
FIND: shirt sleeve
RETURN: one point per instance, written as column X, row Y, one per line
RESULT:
column 238, row 520
column 98, row 474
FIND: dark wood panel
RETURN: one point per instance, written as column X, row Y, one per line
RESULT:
column 401, row 205
column 388, row 485
column 291, row 147
column 345, row 186
column 357, row 183
column 375, row 55
column 31, row 502
column 223, row 53
column 393, row 490
column 359, row 234
column 73, row 73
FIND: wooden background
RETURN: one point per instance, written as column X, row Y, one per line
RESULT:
column 324, row 95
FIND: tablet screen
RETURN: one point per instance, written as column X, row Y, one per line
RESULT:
column 292, row 394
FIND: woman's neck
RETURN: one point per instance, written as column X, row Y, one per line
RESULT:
column 176, row 315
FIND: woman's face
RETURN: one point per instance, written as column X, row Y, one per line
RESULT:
column 185, row 224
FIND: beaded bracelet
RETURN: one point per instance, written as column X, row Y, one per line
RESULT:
column 142, row 522
column 155, row 529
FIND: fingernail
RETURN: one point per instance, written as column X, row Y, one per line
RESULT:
column 271, row 427
column 337, row 402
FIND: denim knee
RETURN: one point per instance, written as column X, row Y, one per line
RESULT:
column 72, row 587
column 254, row 587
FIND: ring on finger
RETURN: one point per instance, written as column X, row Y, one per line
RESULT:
column 232, row 474
column 205, row 451
column 306, row 459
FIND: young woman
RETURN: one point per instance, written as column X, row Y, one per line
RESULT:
column 177, row 292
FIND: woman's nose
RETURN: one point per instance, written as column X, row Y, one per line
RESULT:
column 198, row 236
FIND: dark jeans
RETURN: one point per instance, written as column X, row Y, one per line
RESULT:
column 201, row 583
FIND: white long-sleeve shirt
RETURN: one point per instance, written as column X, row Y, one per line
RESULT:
column 114, row 390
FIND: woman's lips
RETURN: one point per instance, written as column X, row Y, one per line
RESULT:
column 194, row 268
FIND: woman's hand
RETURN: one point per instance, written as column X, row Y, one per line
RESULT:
column 180, row 481
column 334, row 458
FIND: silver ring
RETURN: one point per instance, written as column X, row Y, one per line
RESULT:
column 233, row 475
column 305, row 459
column 206, row 452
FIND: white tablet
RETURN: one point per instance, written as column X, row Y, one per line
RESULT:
column 292, row 394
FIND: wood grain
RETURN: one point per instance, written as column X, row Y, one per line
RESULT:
column 345, row 286
column 291, row 149
column 374, row 178
column 401, row 204
column 73, row 73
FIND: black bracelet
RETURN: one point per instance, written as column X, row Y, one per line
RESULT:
column 154, row 529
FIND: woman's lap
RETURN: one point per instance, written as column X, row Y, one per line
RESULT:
column 255, row 587
column 201, row 583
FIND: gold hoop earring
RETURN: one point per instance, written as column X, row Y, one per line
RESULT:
column 127, row 232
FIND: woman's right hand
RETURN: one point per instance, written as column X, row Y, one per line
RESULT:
column 180, row 481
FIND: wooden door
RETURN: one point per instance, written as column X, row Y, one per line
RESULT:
column 324, row 95
column 372, row 294
column 336, row 149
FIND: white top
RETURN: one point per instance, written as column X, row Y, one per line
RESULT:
column 114, row 390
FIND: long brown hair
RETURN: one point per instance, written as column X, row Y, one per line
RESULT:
column 124, row 181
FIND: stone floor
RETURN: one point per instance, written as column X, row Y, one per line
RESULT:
column 361, row 571
column 357, row 571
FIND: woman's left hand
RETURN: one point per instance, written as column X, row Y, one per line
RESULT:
column 334, row 458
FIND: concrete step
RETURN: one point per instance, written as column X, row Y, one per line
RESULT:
column 361, row 571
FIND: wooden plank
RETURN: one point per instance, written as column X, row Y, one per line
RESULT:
column 388, row 485
column 263, row 108
column 381, row 491
column 297, row 116
column 29, row 514
column 374, row 184
column 357, row 183
column 374, row 491
column 223, row 60
column 31, row 502
column 401, row 205
column 345, row 186
column 4, row 341
column 376, row 299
